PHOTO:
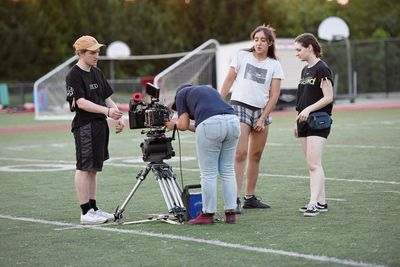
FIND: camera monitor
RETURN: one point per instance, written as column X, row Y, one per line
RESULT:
column 152, row 90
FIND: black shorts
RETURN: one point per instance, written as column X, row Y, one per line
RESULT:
column 91, row 144
column 303, row 130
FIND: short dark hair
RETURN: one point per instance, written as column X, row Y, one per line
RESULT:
column 173, row 106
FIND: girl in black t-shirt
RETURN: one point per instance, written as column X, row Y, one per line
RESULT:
column 314, row 93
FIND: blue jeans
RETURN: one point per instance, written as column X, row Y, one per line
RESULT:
column 216, row 140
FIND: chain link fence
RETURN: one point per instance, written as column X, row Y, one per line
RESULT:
column 375, row 65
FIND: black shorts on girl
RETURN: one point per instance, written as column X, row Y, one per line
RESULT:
column 303, row 130
column 91, row 142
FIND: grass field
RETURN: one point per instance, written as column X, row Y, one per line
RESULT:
column 39, row 213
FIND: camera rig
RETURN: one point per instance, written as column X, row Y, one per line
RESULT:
column 155, row 149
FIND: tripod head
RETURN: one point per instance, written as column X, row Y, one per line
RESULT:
column 157, row 147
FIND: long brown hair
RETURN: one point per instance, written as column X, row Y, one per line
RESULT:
column 269, row 33
column 307, row 39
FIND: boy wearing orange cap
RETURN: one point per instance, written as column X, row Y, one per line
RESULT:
column 89, row 96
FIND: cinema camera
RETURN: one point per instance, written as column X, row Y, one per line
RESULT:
column 155, row 148
column 152, row 116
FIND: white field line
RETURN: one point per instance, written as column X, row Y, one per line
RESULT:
column 341, row 146
column 175, row 169
column 197, row 240
column 333, row 179
column 61, row 145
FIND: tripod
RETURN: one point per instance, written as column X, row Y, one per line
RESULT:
column 155, row 149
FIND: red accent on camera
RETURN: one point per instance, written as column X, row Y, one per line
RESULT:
column 137, row 96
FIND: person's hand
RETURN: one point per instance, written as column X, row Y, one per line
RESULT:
column 303, row 116
column 119, row 126
column 170, row 124
column 114, row 113
column 260, row 125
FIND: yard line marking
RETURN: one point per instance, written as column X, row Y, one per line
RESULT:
column 332, row 179
column 175, row 168
column 337, row 199
column 340, row 146
column 201, row 241
column 396, row 192
column 61, row 145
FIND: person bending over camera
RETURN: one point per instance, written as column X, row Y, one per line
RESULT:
column 88, row 94
column 217, row 132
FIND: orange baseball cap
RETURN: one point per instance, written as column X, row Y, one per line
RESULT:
column 87, row 42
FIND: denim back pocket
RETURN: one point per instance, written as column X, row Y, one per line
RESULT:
column 212, row 130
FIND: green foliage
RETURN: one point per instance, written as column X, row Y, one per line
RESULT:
column 37, row 35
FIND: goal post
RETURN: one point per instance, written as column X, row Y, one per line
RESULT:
column 49, row 93
column 197, row 67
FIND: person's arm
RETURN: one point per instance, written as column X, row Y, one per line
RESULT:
column 228, row 82
column 327, row 90
column 89, row 106
column 111, row 110
column 116, row 114
column 183, row 123
column 274, row 92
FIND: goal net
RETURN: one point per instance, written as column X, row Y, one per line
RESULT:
column 197, row 67
column 49, row 93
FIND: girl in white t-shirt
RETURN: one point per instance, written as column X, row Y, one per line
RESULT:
column 254, row 80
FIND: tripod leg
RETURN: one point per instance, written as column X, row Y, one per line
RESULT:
column 166, row 195
column 140, row 177
column 170, row 190
column 176, row 191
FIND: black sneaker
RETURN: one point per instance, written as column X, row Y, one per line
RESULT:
column 311, row 211
column 238, row 206
column 303, row 209
column 322, row 207
column 254, row 203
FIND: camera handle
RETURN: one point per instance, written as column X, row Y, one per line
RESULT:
column 170, row 190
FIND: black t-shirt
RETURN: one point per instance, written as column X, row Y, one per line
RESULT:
column 309, row 89
column 92, row 86
column 201, row 102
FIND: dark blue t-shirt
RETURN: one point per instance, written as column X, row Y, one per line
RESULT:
column 201, row 102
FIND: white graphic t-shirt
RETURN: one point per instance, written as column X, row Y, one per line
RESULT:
column 253, row 78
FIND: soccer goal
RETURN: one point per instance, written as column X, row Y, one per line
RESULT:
column 49, row 93
column 197, row 67
column 49, row 90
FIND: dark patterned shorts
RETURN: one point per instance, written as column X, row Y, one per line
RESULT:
column 91, row 144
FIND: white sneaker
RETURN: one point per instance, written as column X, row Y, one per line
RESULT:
column 109, row 216
column 92, row 218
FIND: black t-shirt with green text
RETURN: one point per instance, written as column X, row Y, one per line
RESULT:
column 309, row 89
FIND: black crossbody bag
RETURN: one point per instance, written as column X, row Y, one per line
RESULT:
column 319, row 120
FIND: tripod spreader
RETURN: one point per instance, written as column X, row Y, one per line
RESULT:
column 170, row 189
